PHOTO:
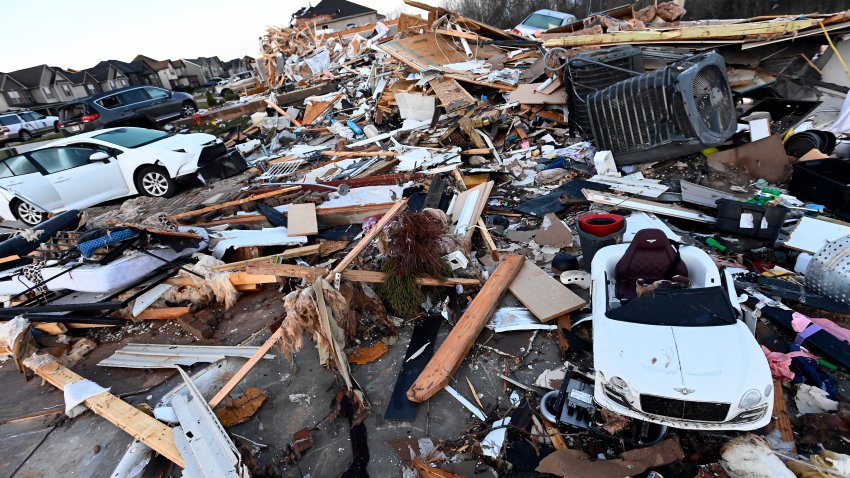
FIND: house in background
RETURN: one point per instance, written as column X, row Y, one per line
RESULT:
column 136, row 73
column 82, row 83
column 184, row 78
column 107, row 76
column 336, row 15
column 47, row 87
column 210, row 67
column 164, row 69
column 238, row 65
column 14, row 94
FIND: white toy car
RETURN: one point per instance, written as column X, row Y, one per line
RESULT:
column 90, row 168
column 680, row 357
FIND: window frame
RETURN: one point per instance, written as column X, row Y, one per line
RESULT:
column 47, row 172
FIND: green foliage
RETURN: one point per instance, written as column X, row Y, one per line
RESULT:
column 231, row 96
column 211, row 101
column 400, row 290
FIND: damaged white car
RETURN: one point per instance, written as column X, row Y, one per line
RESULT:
column 90, row 168
column 669, row 344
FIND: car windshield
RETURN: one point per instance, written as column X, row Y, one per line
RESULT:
column 701, row 307
column 131, row 137
column 538, row 20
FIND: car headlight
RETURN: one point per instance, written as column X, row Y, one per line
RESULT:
column 619, row 384
column 768, row 389
column 750, row 399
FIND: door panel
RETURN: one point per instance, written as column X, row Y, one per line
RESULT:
column 28, row 183
column 79, row 182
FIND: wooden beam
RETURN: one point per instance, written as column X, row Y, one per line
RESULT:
column 240, row 374
column 465, row 35
column 376, row 229
column 237, row 202
column 288, row 254
column 330, row 216
column 374, row 277
column 139, row 425
column 358, row 154
column 163, row 313
column 452, row 351
column 689, row 33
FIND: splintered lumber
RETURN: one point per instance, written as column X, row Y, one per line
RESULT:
column 374, row 277
column 163, row 313
column 452, row 351
column 544, row 296
column 376, row 229
column 237, row 202
column 282, row 112
column 428, row 471
column 288, row 254
column 302, row 220
column 452, row 96
column 139, row 425
column 728, row 31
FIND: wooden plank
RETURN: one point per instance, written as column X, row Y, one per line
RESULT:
column 544, row 296
column 452, row 96
column 452, row 351
column 163, row 313
column 374, row 277
column 288, row 254
column 302, row 220
column 139, row 425
column 244, row 278
column 689, row 33
column 376, row 229
column 780, row 414
column 237, row 202
column 240, row 374
column 51, row 328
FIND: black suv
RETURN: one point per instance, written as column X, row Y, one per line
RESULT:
column 144, row 106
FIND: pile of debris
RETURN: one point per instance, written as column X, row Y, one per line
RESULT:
column 439, row 206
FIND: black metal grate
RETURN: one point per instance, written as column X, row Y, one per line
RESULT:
column 213, row 151
column 683, row 409
column 667, row 113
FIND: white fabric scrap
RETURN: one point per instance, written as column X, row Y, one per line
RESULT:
column 78, row 392
column 11, row 330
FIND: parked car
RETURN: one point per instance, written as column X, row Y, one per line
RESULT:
column 215, row 80
column 675, row 356
column 143, row 106
column 542, row 20
column 25, row 125
column 236, row 83
column 98, row 166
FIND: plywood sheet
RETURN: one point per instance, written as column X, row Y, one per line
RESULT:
column 527, row 94
column 302, row 219
column 430, row 49
column 544, row 296
column 811, row 234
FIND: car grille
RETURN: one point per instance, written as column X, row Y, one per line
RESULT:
column 212, row 152
column 683, row 409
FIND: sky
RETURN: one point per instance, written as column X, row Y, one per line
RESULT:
column 80, row 33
